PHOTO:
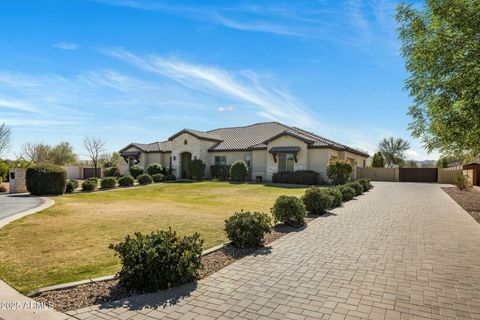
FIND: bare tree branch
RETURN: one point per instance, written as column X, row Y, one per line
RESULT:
column 5, row 138
column 95, row 147
column 35, row 152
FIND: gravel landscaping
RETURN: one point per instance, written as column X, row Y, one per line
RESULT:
column 468, row 199
column 105, row 291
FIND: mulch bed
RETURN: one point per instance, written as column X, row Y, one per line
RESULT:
column 468, row 199
column 106, row 291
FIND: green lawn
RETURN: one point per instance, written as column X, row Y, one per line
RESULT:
column 69, row 241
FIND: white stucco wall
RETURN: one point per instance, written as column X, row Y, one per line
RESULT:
column 287, row 141
column 198, row 148
column 318, row 160
column 259, row 164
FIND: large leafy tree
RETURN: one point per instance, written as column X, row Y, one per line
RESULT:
column 62, row 154
column 441, row 47
column 95, row 147
column 393, row 150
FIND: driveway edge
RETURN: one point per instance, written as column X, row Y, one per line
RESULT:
column 47, row 203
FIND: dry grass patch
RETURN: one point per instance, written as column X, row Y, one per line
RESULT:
column 69, row 241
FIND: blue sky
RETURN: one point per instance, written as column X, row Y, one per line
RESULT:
column 138, row 70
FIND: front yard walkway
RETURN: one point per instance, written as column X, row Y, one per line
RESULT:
column 401, row 251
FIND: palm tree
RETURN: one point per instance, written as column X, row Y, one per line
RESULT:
column 393, row 150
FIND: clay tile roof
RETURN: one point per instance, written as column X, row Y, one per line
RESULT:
column 198, row 134
column 161, row 146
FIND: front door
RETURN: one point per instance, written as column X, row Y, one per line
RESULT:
column 185, row 160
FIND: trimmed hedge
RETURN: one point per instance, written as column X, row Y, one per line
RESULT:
column 45, row 179
column 239, row 171
column 155, row 168
column 220, row 172
column 307, row 177
column 159, row 260
column 248, row 229
column 365, row 184
column 289, row 210
column 144, row 179
column 71, row 186
column 158, row 177
column 197, row 169
column 339, row 171
column 317, row 200
column 357, row 187
column 347, row 192
column 108, row 182
column 336, row 196
column 126, row 181
column 89, row 184
column 135, row 171
column 111, row 172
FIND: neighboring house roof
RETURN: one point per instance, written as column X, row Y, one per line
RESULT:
column 252, row 137
column 161, row 146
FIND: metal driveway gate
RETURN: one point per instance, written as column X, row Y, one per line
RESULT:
column 418, row 175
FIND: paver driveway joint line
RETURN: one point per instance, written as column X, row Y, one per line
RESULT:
column 402, row 250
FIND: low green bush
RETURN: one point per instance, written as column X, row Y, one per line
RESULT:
column 144, row 179
column 339, row 171
column 347, row 192
column 170, row 177
column 159, row 260
column 220, row 172
column 239, row 171
column 289, row 210
column 462, row 182
column 317, row 200
column 111, row 172
column 135, row 171
column 45, row 179
column 365, row 184
column 247, row 229
column 4, row 168
column 154, row 168
column 336, row 196
column 307, row 177
column 126, row 181
column 158, row 177
column 71, row 186
column 197, row 169
column 357, row 187
column 108, row 182
column 89, row 184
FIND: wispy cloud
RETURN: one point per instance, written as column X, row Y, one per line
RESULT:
column 17, row 105
column 66, row 45
column 226, row 109
column 269, row 100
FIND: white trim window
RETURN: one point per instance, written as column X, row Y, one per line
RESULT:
column 286, row 162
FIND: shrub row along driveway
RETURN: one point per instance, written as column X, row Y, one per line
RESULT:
column 402, row 250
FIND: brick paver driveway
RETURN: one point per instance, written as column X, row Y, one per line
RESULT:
column 402, row 250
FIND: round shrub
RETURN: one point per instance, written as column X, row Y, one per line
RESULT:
column 339, row 171
column 154, row 168
column 144, row 179
column 135, row 171
column 44, row 179
column 158, row 177
column 108, row 182
column 239, row 171
column 365, row 184
column 111, row 172
column 317, row 200
column 357, row 187
column 89, row 184
column 336, row 196
column 126, row 181
column 159, row 260
column 347, row 192
column 248, row 229
column 71, row 186
column 289, row 210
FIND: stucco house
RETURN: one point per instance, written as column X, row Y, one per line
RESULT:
column 266, row 147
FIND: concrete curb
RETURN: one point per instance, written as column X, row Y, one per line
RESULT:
column 74, row 284
column 47, row 203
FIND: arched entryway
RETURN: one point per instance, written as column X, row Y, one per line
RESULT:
column 185, row 158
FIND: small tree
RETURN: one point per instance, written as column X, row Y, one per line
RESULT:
column 197, row 169
column 62, row 154
column 239, row 171
column 393, row 150
column 339, row 171
column 36, row 152
column 377, row 160
column 94, row 147
column 5, row 138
